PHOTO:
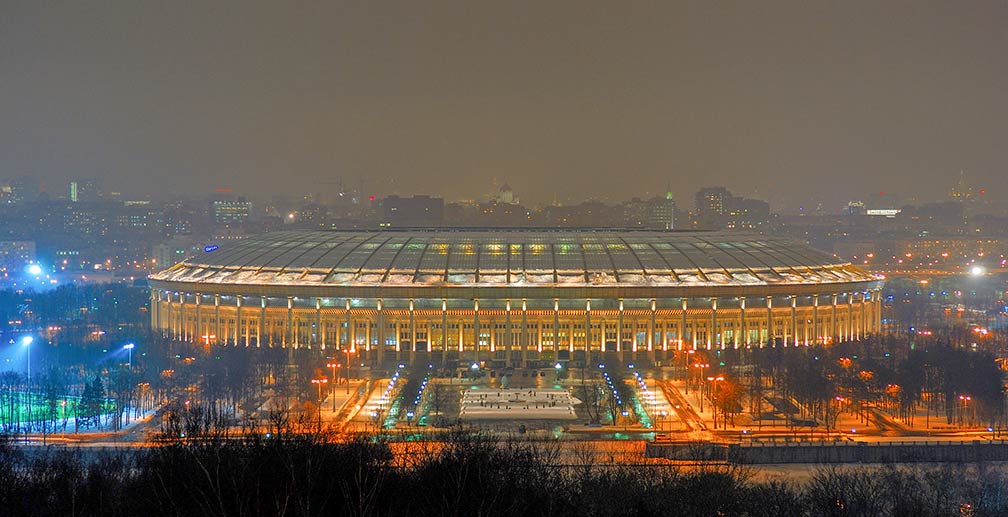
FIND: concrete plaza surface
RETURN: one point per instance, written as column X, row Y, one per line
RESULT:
column 517, row 404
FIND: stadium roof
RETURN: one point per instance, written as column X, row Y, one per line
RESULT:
column 513, row 258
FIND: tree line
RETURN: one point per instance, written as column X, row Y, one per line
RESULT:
column 303, row 473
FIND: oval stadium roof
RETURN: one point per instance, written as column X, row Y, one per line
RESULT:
column 513, row 258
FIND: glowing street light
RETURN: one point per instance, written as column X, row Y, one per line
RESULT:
column 977, row 271
column 713, row 379
column 319, row 381
column 129, row 348
column 334, row 365
column 349, row 352
column 701, row 366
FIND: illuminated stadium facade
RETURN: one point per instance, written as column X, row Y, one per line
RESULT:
column 513, row 297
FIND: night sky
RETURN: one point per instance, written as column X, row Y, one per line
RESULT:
column 791, row 102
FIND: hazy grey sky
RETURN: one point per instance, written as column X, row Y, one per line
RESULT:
column 787, row 101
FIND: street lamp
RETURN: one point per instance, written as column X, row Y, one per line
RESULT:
column 129, row 348
column 319, row 381
column 26, row 342
column 701, row 366
column 334, row 365
column 349, row 352
column 713, row 405
column 686, row 358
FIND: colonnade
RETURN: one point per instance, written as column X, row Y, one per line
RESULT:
column 514, row 332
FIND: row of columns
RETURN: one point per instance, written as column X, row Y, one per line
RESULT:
column 869, row 318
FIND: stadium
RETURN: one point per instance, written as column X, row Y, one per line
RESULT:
column 513, row 298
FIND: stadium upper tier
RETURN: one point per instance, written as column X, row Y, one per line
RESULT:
column 513, row 259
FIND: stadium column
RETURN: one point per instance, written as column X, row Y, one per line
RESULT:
column 539, row 336
column 444, row 331
column 878, row 310
column 381, row 332
column 155, row 312
column 183, row 329
column 619, row 330
column 199, row 321
column 238, row 323
column 523, row 338
column 815, row 318
column 348, row 344
column 712, row 335
column 556, row 328
column 742, row 323
column 262, row 322
column 588, row 333
column 570, row 339
column 317, row 338
column 833, row 321
column 850, row 318
column 650, row 333
column 739, row 328
column 507, row 332
column 217, row 322
column 412, row 333
column 476, row 329
column 794, row 319
column 805, row 328
column 492, row 325
column 682, row 325
column 288, row 330
column 865, row 298
column 769, row 321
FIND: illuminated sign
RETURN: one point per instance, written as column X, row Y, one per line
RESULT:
column 210, row 248
column 887, row 212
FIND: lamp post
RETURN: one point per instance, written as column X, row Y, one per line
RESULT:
column 713, row 405
column 26, row 342
column 319, row 381
column 701, row 366
column 965, row 400
column 686, row 358
column 129, row 348
column 334, row 365
column 348, row 353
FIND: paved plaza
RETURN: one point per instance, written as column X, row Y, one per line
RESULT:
column 517, row 404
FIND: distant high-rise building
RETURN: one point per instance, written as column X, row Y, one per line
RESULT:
column 716, row 207
column 663, row 212
column 225, row 212
column 710, row 201
column 85, row 190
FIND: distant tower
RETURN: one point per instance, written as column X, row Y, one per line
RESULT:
column 506, row 196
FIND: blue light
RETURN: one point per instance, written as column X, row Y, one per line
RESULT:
column 210, row 248
column 34, row 269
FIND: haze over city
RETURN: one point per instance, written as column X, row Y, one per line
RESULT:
column 564, row 101
column 519, row 258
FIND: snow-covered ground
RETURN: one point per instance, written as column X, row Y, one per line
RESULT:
column 517, row 404
column 66, row 426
